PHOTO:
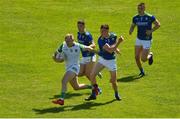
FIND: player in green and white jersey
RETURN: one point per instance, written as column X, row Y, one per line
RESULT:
column 70, row 52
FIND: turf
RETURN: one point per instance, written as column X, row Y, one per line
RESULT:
column 31, row 30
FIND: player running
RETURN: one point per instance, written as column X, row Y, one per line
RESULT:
column 69, row 52
column 88, row 58
column 143, row 21
column 108, row 46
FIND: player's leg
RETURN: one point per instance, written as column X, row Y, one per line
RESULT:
column 138, row 52
column 88, row 69
column 89, row 64
column 69, row 75
column 113, row 81
column 95, row 89
column 146, row 54
column 76, row 86
column 82, row 70
column 96, row 69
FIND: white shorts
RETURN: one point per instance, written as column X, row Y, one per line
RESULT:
column 109, row 64
column 146, row 44
column 73, row 68
column 86, row 60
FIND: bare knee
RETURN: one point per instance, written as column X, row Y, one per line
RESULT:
column 113, row 81
column 143, row 59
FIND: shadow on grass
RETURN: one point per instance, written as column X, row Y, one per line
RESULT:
column 129, row 78
column 84, row 106
column 70, row 95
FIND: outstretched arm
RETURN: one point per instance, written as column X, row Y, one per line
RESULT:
column 92, row 45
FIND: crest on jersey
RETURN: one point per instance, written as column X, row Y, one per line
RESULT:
column 76, row 50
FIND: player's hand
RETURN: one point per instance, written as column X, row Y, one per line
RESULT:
column 118, row 51
column 148, row 32
column 89, row 48
column 56, row 59
column 54, row 55
column 120, row 39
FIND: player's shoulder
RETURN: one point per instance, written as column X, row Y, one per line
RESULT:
column 136, row 15
column 148, row 14
column 87, row 33
column 63, row 44
column 78, row 33
column 100, row 39
column 61, row 47
column 112, row 35
column 76, row 44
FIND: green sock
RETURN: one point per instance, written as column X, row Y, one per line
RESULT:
column 89, row 87
column 62, row 95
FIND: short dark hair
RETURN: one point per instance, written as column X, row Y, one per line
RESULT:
column 141, row 4
column 81, row 22
column 105, row 26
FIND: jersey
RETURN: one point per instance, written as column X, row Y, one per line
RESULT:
column 143, row 23
column 71, row 54
column 102, row 41
column 85, row 39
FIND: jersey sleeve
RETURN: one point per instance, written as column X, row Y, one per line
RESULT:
column 153, row 19
column 90, row 38
column 115, row 37
column 60, row 48
column 133, row 20
column 81, row 46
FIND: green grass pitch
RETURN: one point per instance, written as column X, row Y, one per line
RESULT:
column 30, row 31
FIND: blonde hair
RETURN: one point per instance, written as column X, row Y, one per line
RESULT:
column 69, row 35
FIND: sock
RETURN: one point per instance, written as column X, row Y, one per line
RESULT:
column 116, row 93
column 89, row 87
column 62, row 95
column 141, row 69
column 94, row 88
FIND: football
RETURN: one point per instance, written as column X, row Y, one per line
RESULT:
column 58, row 57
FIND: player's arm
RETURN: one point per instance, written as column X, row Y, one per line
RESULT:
column 92, row 45
column 118, row 51
column 85, row 48
column 113, row 48
column 90, row 38
column 156, row 26
column 57, row 54
column 133, row 25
